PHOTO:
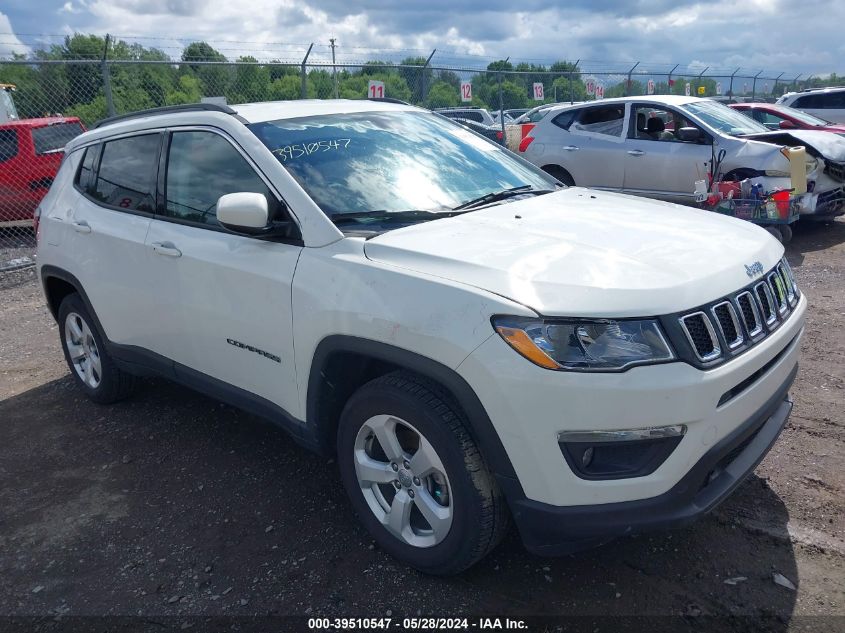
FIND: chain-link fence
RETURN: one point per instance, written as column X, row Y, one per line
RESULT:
column 46, row 98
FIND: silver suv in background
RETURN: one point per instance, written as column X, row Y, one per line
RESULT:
column 478, row 115
column 826, row 103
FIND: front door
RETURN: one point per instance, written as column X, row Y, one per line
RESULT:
column 657, row 163
column 224, row 300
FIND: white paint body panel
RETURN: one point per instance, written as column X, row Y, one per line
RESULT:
column 431, row 289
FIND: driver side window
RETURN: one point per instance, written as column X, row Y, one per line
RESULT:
column 201, row 167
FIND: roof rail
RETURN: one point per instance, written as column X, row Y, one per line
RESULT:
column 185, row 107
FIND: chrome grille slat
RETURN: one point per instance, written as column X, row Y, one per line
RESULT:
column 727, row 322
column 725, row 327
column 750, row 314
column 696, row 326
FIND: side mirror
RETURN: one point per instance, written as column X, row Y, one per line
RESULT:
column 786, row 125
column 243, row 212
column 689, row 134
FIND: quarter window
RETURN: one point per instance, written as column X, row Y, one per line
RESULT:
column 605, row 120
column 86, row 169
column 201, row 167
column 126, row 178
column 8, row 145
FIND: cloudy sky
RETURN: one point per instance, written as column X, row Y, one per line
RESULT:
column 784, row 35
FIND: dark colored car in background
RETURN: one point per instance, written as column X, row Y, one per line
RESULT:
column 31, row 151
column 778, row 117
column 487, row 131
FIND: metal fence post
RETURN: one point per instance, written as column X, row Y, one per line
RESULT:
column 628, row 83
column 571, row 85
column 731, row 88
column 698, row 81
column 775, row 88
column 502, row 107
column 669, row 79
column 424, row 83
column 302, row 74
column 107, row 78
column 334, row 68
column 754, row 85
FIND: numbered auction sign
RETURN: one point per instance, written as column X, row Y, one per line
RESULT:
column 651, row 86
column 599, row 91
column 687, row 89
column 591, row 88
column 538, row 92
column 375, row 89
column 466, row 91
column 719, row 88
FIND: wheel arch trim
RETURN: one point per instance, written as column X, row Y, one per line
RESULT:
column 481, row 428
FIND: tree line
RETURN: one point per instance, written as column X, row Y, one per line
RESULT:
column 77, row 89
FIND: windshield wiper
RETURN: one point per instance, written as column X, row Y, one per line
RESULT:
column 501, row 195
column 385, row 216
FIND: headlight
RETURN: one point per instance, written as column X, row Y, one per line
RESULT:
column 585, row 345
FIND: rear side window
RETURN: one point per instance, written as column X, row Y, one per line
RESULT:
column 821, row 101
column 201, row 167
column 565, row 119
column 53, row 138
column 126, row 178
column 605, row 120
column 8, row 144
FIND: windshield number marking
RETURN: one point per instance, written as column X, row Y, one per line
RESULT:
column 289, row 152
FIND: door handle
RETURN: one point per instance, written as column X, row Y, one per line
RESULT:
column 166, row 248
column 571, row 148
column 636, row 152
column 81, row 227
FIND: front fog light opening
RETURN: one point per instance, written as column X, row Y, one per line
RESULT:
column 602, row 455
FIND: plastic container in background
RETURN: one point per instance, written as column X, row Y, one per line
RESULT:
column 781, row 199
column 797, row 168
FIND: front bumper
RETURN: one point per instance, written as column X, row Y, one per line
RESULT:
column 554, row 530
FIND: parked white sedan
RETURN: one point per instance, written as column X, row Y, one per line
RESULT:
column 659, row 146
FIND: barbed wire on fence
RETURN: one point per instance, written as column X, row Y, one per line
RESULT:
column 84, row 78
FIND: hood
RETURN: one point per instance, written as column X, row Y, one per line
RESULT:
column 579, row 252
column 828, row 145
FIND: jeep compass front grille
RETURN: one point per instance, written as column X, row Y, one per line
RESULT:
column 734, row 323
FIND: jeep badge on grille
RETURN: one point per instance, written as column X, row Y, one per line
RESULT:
column 754, row 270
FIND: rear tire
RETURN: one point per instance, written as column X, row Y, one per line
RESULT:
column 775, row 233
column 786, row 233
column 85, row 352
column 415, row 476
column 561, row 174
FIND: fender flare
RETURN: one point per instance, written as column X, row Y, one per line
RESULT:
column 481, row 428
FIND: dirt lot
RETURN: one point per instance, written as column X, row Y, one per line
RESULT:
column 171, row 504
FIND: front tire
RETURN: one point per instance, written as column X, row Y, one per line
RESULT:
column 90, row 364
column 415, row 476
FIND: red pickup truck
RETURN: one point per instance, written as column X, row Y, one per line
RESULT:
column 30, row 153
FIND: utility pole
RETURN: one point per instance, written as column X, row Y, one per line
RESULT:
column 334, row 68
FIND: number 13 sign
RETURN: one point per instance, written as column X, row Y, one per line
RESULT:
column 538, row 92
column 375, row 89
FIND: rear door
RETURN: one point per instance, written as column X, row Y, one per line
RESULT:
column 224, row 300
column 657, row 163
column 108, row 227
column 590, row 145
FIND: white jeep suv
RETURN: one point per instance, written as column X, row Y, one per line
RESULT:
column 473, row 341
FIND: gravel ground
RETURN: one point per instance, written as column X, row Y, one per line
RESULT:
column 172, row 504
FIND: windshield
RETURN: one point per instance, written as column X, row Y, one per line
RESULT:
column 392, row 162
column 724, row 119
column 809, row 119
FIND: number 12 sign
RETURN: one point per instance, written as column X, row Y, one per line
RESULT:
column 466, row 91
column 538, row 92
column 375, row 89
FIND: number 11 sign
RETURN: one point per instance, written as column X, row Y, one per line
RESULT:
column 375, row 89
